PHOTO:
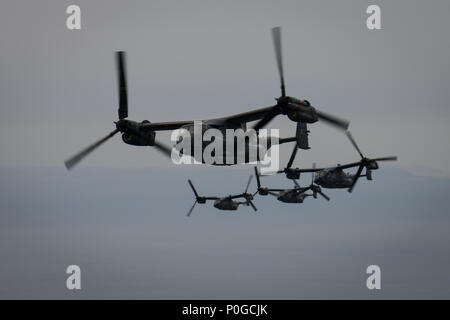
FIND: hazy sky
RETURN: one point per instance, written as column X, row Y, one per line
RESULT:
column 120, row 215
column 132, row 239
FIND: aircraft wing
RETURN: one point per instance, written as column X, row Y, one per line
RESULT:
column 249, row 116
column 275, row 190
column 170, row 125
column 239, row 118
column 235, row 196
column 350, row 165
column 307, row 170
column 344, row 166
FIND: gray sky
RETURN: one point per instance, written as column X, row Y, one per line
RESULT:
column 120, row 215
column 133, row 240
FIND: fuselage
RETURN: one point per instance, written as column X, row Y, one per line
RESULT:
column 334, row 178
column 221, row 141
column 291, row 196
column 226, row 204
column 212, row 142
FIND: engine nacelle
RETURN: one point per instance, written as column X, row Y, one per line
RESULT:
column 303, row 114
column 292, row 174
column 139, row 140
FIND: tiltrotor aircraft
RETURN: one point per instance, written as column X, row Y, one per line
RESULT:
column 294, row 195
column 335, row 177
column 144, row 133
column 225, row 203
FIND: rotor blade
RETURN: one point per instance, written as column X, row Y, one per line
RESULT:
column 350, row 137
column 324, row 195
column 193, row 189
column 122, row 83
column 287, row 140
column 266, row 119
column 355, row 179
column 192, row 208
column 163, row 148
column 313, row 174
column 248, row 184
column 340, row 123
column 257, row 178
column 253, row 205
column 296, row 183
column 273, row 172
column 393, row 158
column 276, row 35
column 293, row 154
column 71, row 162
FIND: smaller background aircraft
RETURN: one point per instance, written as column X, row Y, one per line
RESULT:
column 293, row 195
column 225, row 203
column 335, row 177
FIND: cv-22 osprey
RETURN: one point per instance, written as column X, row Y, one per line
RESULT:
column 143, row 133
column 294, row 195
column 335, row 177
column 227, row 203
